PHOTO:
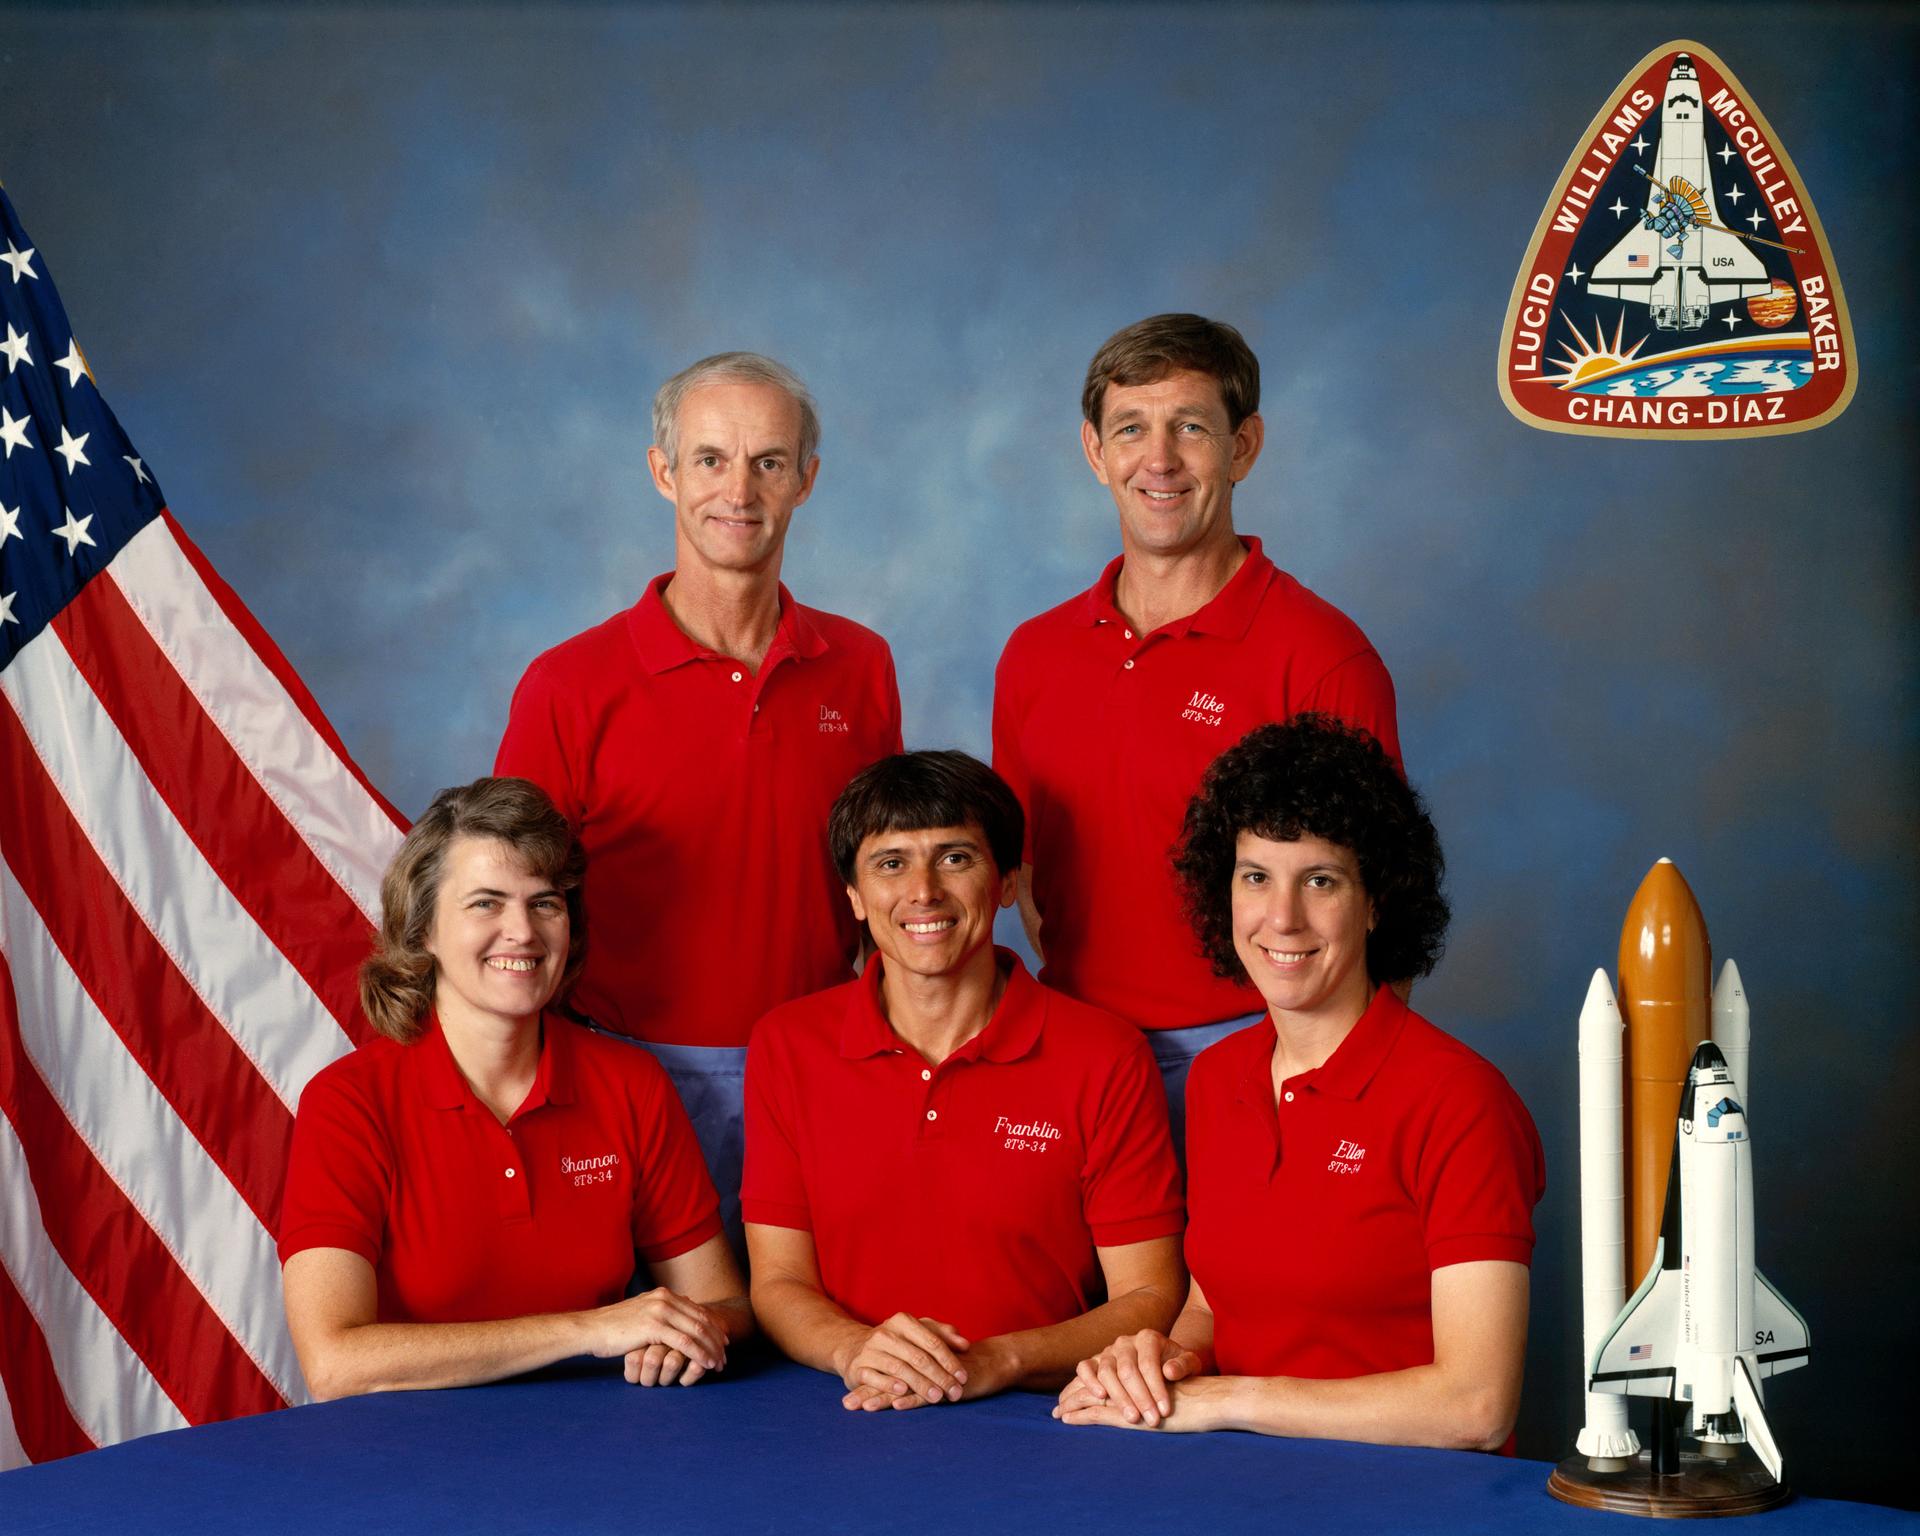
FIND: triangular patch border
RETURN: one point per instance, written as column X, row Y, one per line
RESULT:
column 1535, row 322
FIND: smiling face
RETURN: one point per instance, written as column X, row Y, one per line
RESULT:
column 739, row 475
column 498, row 939
column 1300, row 924
column 928, row 897
column 1171, row 460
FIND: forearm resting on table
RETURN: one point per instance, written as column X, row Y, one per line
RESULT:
column 388, row 1357
column 1466, row 1399
column 805, row 1324
column 1193, row 1330
column 343, row 1350
column 1043, row 1359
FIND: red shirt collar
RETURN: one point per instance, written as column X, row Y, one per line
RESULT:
column 1343, row 1075
column 1230, row 613
column 445, row 1088
column 1012, row 1032
column 662, row 644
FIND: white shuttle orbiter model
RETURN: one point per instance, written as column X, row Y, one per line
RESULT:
column 1667, row 261
column 1705, row 1326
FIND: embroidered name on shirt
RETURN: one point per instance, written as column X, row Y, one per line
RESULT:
column 1025, row 1135
column 591, row 1170
column 1346, row 1158
column 1203, row 708
column 832, row 722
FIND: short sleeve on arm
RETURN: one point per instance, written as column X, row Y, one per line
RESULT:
column 773, row 1189
column 1360, row 692
column 675, row 1208
column 1480, row 1171
column 1131, row 1182
column 897, row 743
column 534, row 745
column 339, row 1173
column 1007, row 759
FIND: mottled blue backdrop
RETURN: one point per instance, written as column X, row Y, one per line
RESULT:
column 382, row 298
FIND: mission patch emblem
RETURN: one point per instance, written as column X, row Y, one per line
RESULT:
column 1678, row 284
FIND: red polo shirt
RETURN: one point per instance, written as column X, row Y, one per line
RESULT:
column 1104, row 735
column 700, row 791
column 465, row 1219
column 1316, row 1224
column 975, row 1191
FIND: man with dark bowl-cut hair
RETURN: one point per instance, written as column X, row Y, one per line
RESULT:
column 958, row 1180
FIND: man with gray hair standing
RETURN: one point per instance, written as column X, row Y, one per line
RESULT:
column 697, row 741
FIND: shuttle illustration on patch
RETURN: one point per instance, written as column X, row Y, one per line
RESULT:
column 1678, row 283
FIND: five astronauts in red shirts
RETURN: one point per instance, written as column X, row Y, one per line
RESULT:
column 949, row 1177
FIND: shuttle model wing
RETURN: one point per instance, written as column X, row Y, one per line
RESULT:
column 1638, row 1357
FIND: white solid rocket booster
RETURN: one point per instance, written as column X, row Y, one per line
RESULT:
column 1603, row 1202
column 1732, row 1030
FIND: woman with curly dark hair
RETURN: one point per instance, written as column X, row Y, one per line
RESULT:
column 1360, row 1186
column 469, row 1191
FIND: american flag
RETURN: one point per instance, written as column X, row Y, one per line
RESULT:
column 189, row 865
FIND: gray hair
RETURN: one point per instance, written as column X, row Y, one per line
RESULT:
column 732, row 368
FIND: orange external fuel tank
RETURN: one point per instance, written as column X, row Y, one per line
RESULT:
column 1665, row 1000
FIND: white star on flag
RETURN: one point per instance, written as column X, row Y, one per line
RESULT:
column 21, row 262
column 16, row 347
column 74, row 531
column 189, row 876
column 10, row 524
column 73, row 362
column 13, row 431
column 70, row 448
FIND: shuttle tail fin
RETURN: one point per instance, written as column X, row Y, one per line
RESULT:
column 1753, row 1422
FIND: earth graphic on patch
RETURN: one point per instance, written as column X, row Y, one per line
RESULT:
column 1747, row 374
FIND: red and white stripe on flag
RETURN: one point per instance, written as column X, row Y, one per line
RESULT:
column 189, row 866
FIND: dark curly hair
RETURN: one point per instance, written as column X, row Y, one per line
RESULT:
column 1316, row 776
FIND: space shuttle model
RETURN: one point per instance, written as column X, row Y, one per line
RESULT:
column 1666, row 1200
column 1672, row 261
column 1705, row 1325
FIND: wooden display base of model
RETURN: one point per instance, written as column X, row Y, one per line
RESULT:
column 1697, row 1485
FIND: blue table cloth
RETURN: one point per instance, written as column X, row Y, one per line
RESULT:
column 767, row 1447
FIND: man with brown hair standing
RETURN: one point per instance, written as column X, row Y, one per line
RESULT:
column 1108, row 708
